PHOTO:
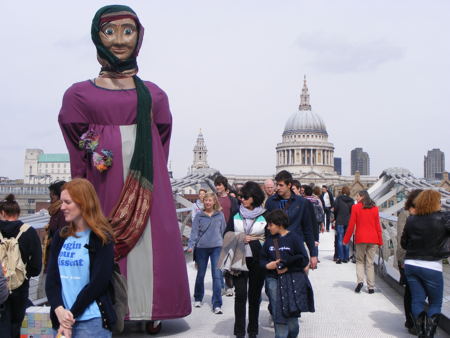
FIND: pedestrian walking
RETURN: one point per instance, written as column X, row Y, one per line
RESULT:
column 30, row 253
column 283, row 253
column 269, row 189
column 365, row 223
column 317, row 191
column 403, row 215
column 328, row 202
column 205, row 242
column 248, row 284
column 342, row 209
column 425, row 236
column 300, row 212
column 197, row 206
column 230, row 207
column 297, row 187
column 80, row 267
column 55, row 224
column 318, row 211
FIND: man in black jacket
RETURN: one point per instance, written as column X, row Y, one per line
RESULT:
column 342, row 209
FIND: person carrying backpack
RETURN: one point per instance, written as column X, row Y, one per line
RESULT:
column 19, row 264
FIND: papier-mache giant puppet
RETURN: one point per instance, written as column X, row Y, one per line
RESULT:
column 117, row 129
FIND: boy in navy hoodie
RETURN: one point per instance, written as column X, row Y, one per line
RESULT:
column 293, row 258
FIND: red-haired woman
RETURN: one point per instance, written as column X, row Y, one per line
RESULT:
column 81, row 265
column 424, row 235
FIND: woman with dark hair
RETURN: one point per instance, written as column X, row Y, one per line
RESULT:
column 342, row 209
column 55, row 224
column 296, row 187
column 57, row 220
column 365, row 223
column 80, row 267
column 13, row 310
column 248, row 285
column 425, row 234
column 403, row 215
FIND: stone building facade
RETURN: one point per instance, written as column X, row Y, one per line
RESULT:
column 433, row 164
column 305, row 147
column 200, row 154
column 41, row 168
column 360, row 161
column 27, row 195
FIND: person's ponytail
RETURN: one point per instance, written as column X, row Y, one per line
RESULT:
column 10, row 206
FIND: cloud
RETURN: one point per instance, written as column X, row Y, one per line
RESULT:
column 339, row 56
column 74, row 42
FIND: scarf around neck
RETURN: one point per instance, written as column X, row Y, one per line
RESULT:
column 251, row 214
column 129, row 217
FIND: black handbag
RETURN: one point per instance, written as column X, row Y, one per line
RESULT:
column 119, row 298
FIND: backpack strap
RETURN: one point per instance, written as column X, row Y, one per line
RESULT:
column 22, row 229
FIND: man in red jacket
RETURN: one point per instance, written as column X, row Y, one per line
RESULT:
column 368, row 236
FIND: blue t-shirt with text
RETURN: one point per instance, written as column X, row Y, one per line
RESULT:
column 73, row 263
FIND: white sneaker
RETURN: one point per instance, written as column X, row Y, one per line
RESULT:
column 230, row 292
column 197, row 304
column 218, row 311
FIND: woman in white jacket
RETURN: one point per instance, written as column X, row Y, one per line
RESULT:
column 248, row 285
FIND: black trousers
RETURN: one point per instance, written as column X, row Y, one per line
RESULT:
column 248, row 285
column 328, row 216
column 12, row 312
column 409, row 322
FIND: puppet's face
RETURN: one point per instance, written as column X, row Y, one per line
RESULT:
column 120, row 37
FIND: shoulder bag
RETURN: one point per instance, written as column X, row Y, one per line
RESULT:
column 198, row 240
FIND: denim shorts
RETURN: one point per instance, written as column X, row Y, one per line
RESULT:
column 91, row 328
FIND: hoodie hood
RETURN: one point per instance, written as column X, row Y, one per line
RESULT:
column 10, row 228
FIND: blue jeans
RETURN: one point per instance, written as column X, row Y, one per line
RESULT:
column 291, row 328
column 91, row 328
column 343, row 251
column 424, row 283
column 202, row 255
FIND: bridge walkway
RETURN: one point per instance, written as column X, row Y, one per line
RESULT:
column 340, row 312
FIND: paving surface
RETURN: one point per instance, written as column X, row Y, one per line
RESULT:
column 339, row 311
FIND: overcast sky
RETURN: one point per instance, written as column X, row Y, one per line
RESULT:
column 378, row 74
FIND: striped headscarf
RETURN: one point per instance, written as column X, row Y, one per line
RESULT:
column 130, row 216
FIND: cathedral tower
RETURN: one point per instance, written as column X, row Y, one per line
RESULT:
column 200, row 154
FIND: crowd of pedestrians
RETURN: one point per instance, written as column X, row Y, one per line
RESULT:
column 266, row 238
column 285, row 214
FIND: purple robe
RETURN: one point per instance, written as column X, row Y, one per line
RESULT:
column 155, row 268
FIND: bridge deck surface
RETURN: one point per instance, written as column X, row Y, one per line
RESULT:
column 339, row 311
